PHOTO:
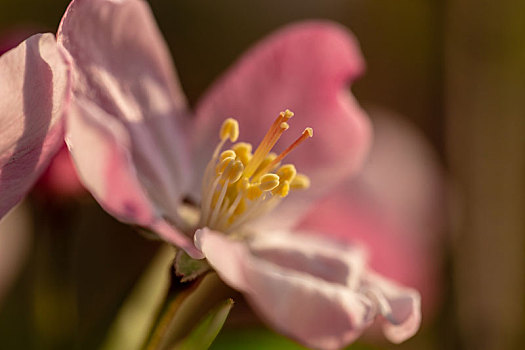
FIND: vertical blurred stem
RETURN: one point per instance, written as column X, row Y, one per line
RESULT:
column 172, row 303
column 485, row 104
column 54, row 298
column 185, row 305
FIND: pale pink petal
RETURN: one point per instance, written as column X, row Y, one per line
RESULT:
column 34, row 93
column 307, row 68
column 404, row 174
column 100, row 147
column 320, row 313
column 122, row 66
column 399, row 306
column 309, row 253
column 394, row 207
column 353, row 217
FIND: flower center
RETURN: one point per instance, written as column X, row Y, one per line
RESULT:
column 240, row 186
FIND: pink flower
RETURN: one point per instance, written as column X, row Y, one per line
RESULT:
column 146, row 160
column 34, row 94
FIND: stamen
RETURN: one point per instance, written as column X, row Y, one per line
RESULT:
column 269, row 182
column 300, row 182
column 229, row 129
column 243, row 150
column 221, row 167
column 227, row 154
column 282, row 190
column 239, row 186
column 233, row 173
column 287, row 172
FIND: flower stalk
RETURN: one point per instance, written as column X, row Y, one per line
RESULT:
column 185, row 305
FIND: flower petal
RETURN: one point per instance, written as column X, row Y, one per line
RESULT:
column 34, row 94
column 100, row 147
column 310, row 254
column 404, row 174
column 123, row 67
column 399, row 306
column 394, row 207
column 305, row 68
column 310, row 309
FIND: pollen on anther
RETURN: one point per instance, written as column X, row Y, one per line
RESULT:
column 227, row 154
column 223, row 165
column 283, row 189
column 269, row 182
column 236, row 171
column 300, row 182
column 243, row 150
column 287, row 172
column 229, row 129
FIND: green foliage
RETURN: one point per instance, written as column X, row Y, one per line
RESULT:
column 263, row 339
column 202, row 336
column 189, row 268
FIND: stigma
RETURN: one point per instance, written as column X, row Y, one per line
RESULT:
column 239, row 185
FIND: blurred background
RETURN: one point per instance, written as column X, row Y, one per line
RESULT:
column 445, row 87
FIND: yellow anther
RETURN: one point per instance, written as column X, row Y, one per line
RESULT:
column 243, row 150
column 253, row 192
column 229, row 129
column 233, row 171
column 223, row 165
column 300, row 182
column 238, row 168
column 269, row 182
column 284, row 126
column 242, row 147
column 283, row 189
column 227, row 154
column 287, row 172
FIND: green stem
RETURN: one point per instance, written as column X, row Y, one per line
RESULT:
column 176, row 295
column 184, row 306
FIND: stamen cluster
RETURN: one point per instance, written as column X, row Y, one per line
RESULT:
column 239, row 185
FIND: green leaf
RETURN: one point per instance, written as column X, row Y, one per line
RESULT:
column 260, row 338
column 204, row 333
column 189, row 268
column 184, row 307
